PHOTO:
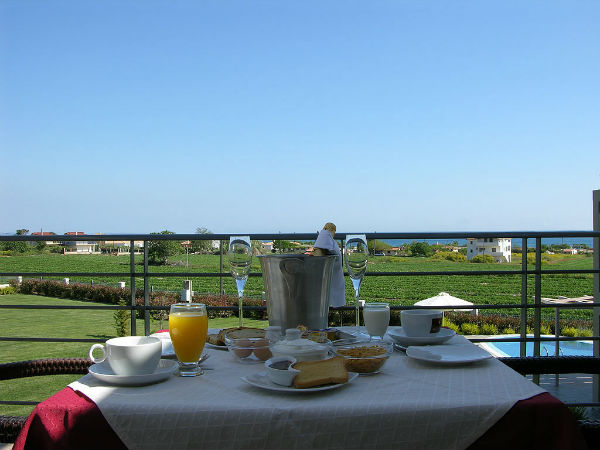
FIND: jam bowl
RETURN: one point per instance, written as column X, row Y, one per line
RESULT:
column 280, row 370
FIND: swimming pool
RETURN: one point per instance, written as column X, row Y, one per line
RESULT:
column 568, row 348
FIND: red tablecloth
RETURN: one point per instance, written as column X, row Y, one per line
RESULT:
column 69, row 420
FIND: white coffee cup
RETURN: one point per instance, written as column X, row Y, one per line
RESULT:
column 130, row 355
column 421, row 322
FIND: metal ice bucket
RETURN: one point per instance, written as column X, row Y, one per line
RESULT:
column 297, row 288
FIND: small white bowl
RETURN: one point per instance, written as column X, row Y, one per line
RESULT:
column 282, row 376
column 249, row 350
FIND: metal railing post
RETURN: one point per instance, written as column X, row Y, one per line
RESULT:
column 523, row 346
column 132, row 288
column 537, row 301
column 596, row 309
column 221, row 268
column 146, row 292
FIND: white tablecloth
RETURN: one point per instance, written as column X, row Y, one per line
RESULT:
column 410, row 404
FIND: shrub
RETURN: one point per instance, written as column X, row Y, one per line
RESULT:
column 584, row 332
column 451, row 325
column 122, row 321
column 469, row 328
column 545, row 329
column 450, row 256
column 509, row 331
column 8, row 290
column 569, row 331
column 579, row 412
column 488, row 329
column 487, row 259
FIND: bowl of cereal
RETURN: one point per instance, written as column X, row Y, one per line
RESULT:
column 365, row 358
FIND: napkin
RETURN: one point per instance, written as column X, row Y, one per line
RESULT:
column 165, row 340
column 449, row 353
column 337, row 293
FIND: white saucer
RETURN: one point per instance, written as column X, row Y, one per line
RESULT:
column 104, row 373
column 435, row 338
column 261, row 380
column 448, row 354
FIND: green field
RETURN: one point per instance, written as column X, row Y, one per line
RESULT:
column 64, row 323
column 100, row 324
column 479, row 289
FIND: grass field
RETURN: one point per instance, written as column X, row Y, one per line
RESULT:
column 64, row 323
column 479, row 289
column 99, row 324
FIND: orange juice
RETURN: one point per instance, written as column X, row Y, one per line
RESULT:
column 188, row 334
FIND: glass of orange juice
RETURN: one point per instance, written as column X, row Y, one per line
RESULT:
column 188, row 325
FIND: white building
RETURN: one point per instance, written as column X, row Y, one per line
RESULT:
column 499, row 248
column 78, row 246
column 267, row 246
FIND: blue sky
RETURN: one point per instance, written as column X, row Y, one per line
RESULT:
column 269, row 115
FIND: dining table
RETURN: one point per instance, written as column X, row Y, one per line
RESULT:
column 412, row 403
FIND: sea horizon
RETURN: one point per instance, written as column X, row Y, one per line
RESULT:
column 517, row 242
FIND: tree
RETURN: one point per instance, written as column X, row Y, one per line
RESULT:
column 17, row 246
column 421, row 249
column 159, row 251
column 281, row 245
column 375, row 245
column 202, row 246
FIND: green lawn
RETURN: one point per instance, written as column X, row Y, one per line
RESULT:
column 479, row 289
column 81, row 324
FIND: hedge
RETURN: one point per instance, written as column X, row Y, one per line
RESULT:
column 113, row 296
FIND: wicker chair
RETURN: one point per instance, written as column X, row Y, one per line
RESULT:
column 10, row 426
column 537, row 365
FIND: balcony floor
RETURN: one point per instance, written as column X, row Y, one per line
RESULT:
column 571, row 388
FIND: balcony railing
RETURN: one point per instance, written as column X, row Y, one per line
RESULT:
column 528, row 239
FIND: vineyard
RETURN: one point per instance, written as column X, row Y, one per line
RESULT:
column 406, row 290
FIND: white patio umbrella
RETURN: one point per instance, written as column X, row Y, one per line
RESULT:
column 446, row 302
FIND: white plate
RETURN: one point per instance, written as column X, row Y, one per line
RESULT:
column 448, row 354
column 261, row 380
column 104, row 373
column 435, row 338
column 216, row 347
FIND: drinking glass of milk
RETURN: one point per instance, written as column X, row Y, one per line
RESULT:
column 377, row 319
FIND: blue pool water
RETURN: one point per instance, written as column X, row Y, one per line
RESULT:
column 569, row 348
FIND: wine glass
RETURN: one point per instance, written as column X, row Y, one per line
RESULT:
column 240, row 260
column 356, row 255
